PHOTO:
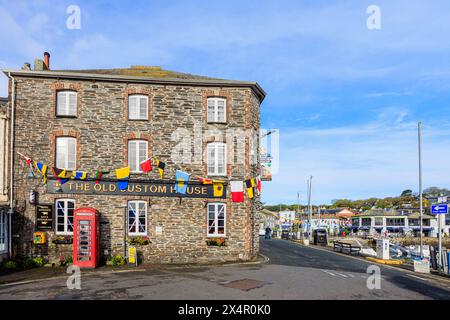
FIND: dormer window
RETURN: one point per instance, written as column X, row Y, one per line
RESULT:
column 137, row 107
column 66, row 104
column 217, row 110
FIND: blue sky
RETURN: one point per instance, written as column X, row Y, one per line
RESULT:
column 346, row 99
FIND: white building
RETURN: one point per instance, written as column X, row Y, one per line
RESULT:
column 286, row 218
column 267, row 218
column 380, row 221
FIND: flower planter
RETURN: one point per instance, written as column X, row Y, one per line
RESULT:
column 63, row 241
column 138, row 241
column 215, row 242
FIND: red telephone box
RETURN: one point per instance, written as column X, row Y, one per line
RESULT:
column 86, row 239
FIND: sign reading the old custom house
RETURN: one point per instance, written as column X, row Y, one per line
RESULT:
column 44, row 217
column 143, row 188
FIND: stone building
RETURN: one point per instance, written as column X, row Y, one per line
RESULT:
column 91, row 120
column 4, row 129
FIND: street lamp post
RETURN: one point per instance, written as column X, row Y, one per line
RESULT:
column 310, row 208
column 419, row 133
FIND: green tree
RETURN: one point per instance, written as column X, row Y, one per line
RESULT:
column 406, row 193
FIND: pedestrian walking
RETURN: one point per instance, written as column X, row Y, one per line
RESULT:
column 268, row 231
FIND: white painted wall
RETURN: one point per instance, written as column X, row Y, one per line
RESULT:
column 3, row 157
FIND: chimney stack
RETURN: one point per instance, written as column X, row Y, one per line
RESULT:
column 47, row 60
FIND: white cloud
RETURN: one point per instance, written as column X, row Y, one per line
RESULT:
column 378, row 158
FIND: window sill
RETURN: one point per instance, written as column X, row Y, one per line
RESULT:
column 66, row 116
column 146, row 120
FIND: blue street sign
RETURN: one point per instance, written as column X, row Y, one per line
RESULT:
column 439, row 209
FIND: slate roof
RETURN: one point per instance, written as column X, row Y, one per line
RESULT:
column 141, row 74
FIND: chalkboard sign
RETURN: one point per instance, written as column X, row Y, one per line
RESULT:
column 44, row 217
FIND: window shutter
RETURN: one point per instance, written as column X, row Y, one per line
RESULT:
column 132, row 155
column 61, row 147
column 211, row 158
column 132, row 109
column 221, row 159
column 211, row 110
column 72, row 105
column 142, row 153
column 71, row 153
column 143, row 108
column 61, row 103
column 221, row 110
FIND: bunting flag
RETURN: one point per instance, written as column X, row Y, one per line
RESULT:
column 250, row 183
column 237, row 191
column 79, row 175
column 146, row 165
column 123, row 174
column 99, row 175
column 161, row 165
column 258, row 184
column 218, row 188
column 181, row 178
column 62, row 175
column 29, row 165
column 42, row 168
column 205, row 180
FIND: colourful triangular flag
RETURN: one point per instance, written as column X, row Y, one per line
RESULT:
column 161, row 165
column 62, row 175
column 181, row 178
column 146, row 165
column 99, row 175
column 123, row 174
column 42, row 168
column 237, row 191
column 218, row 188
column 79, row 175
column 258, row 184
column 205, row 180
column 249, row 183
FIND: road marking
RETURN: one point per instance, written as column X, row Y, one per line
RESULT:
column 328, row 272
column 392, row 267
column 342, row 275
column 411, row 275
column 351, row 276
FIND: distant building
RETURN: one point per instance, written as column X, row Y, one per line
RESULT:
column 393, row 221
column 267, row 218
column 286, row 217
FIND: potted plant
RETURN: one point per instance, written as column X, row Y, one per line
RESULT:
column 218, row 242
column 138, row 240
column 63, row 240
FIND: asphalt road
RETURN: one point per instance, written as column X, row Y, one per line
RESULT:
column 294, row 272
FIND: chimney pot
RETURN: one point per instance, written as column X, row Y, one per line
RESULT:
column 47, row 60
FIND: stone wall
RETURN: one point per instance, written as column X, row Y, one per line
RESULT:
column 102, row 130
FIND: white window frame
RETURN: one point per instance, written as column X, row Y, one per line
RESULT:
column 137, row 151
column 216, row 219
column 136, row 218
column 4, row 231
column 215, row 101
column 66, row 163
column 66, row 216
column 138, row 106
column 216, row 146
column 66, row 106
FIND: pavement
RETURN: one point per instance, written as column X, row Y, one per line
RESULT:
column 293, row 271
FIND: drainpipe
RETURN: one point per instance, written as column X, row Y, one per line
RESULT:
column 11, row 152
